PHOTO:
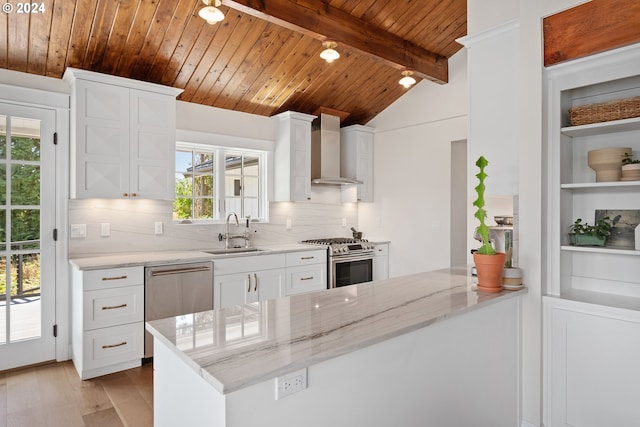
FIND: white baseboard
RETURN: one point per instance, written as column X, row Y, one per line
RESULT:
column 526, row 424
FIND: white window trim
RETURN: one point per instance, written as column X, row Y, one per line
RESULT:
column 193, row 140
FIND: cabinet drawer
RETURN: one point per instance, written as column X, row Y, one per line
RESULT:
column 112, row 278
column 111, row 307
column 247, row 264
column 109, row 346
column 306, row 258
column 306, row 279
column 381, row 249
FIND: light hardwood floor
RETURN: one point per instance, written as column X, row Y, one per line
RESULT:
column 53, row 395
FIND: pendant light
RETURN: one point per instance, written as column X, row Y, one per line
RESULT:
column 407, row 81
column 210, row 12
column 329, row 53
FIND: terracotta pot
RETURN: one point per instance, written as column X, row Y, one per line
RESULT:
column 489, row 268
column 607, row 162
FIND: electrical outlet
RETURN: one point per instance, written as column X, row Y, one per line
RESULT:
column 344, row 222
column 78, row 230
column 288, row 223
column 291, row 383
column 105, row 229
column 158, row 228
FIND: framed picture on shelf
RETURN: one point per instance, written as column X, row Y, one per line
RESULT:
column 624, row 223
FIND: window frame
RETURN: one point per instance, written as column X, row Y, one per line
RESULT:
column 220, row 146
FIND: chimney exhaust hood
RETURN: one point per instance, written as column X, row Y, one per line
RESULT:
column 325, row 152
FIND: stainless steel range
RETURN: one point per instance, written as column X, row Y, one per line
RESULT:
column 350, row 260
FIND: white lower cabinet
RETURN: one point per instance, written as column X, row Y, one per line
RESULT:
column 107, row 310
column 248, row 279
column 381, row 261
column 248, row 287
column 306, row 272
column 591, row 370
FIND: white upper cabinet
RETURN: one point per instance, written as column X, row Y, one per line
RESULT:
column 356, row 161
column 292, row 157
column 122, row 137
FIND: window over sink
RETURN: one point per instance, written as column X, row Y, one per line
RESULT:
column 212, row 181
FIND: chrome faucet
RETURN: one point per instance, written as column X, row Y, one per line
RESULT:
column 227, row 236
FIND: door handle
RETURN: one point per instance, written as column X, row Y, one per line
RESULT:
column 113, row 307
column 114, row 345
column 114, row 278
column 255, row 276
column 179, row 271
column 249, row 280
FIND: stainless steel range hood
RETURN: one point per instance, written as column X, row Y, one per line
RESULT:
column 325, row 152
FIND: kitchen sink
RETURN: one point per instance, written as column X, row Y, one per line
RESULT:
column 233, row 251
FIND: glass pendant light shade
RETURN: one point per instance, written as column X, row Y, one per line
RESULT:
column 329, row 54
column 210, row 13
column 407, row 81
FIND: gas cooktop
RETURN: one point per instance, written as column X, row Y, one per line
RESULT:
column 341, row 246
column 334, row 240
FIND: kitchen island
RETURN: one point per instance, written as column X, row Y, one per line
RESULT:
column 425, row 349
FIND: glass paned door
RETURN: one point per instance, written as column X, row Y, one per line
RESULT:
column 27, row 250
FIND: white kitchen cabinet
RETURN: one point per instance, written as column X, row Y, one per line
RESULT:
column 611, row 275
column 356, row 161
column 292, row 157
column 591, row 369
column 245, row 288
column 122, row 137
column 306, row 271
column 248, row 279
column 381, row 261
column 107, row 318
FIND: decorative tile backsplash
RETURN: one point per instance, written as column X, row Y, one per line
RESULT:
column 132, row 224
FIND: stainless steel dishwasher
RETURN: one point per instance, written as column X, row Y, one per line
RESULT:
column 176, row 289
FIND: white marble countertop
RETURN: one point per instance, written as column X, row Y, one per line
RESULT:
column 133, row 259
column 243, row 345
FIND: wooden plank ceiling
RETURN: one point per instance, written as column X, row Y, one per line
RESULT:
column 249, row 62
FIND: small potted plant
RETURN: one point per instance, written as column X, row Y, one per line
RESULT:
column 630, row 168
column 489, row 263
column 583, row 234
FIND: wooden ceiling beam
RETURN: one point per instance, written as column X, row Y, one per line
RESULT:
column 321, row 21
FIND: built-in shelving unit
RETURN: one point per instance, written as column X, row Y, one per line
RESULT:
column 601, row 275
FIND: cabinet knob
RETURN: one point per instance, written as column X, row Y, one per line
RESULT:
column 308, row 198
column 134, row 195
column 125, row 194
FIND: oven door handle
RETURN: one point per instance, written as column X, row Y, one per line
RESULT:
column 347, row 258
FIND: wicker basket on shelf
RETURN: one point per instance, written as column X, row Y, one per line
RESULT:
column 605, row 112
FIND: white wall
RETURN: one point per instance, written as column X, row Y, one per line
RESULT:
column 412, row 149
column 529, row 15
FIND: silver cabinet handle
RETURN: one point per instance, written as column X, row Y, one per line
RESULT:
column 114, row 278
column 179, row 271
column 255, row 276
column 307, row 257
column 306, row 278
column 113, row 307
column 249, row 280
column 115, row 345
